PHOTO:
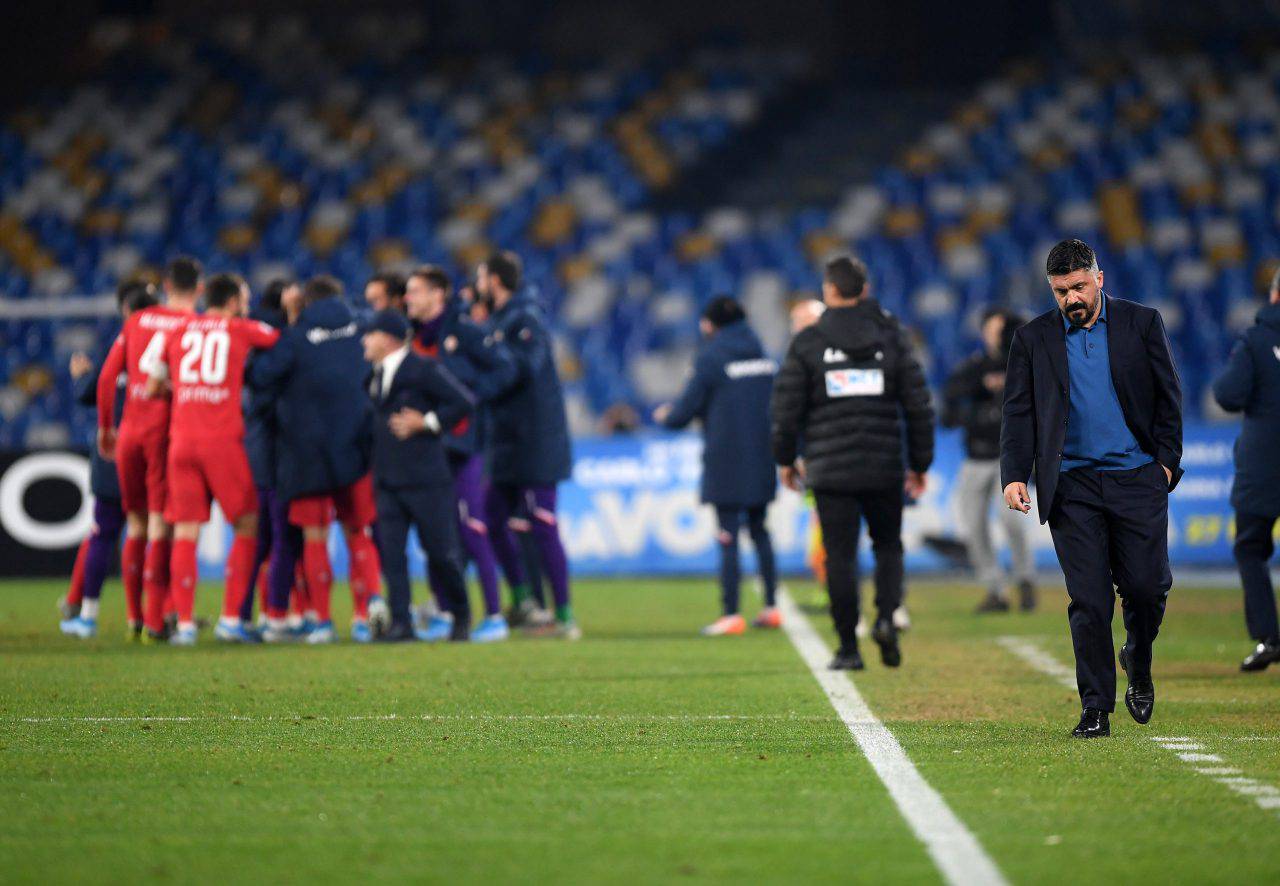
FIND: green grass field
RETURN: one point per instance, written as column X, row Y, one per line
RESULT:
column 642, row 754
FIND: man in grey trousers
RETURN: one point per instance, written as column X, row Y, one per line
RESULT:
column 972, row 399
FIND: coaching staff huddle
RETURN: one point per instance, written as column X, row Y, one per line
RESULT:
column 1093, row 403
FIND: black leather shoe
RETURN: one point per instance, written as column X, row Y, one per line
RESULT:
column 1026, row 596
column 398, row 632
column 992, row 603
column 846, row 660
column 1258, row 659
column 1140, row 697
column 1093, row 724
column 461, row 632
column 886, row 637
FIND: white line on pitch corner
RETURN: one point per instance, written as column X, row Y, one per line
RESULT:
column 953, row 847
column 1035, row 655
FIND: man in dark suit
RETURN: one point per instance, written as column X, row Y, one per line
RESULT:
column 414, row 400
column 1093, row 402
column 1250, row 383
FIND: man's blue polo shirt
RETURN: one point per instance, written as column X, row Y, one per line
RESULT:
column 1097, row 436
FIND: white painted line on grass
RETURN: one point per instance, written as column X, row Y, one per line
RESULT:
column 1033, row 654
column 354, row 718
column 1188, row 749
column 1265, row 795
column 954, row 849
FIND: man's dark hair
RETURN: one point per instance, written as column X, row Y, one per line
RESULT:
column 183, row 273
column 723, row 310
column 273, row 295
column 135, row 295
column 1069, row 256
column 847, row 274
column 221, row 289
column 436, row 277
column 391, row 282
column 505, row 266
column 320, row 288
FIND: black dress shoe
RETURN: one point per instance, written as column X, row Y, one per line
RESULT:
column 1026, row 596
column 886, row 637
column 460, row 633
column 398, row 632
column 1093, row 724
column 846, row 660
column 1140, row 697
column 992, row 603
column 1258, row 659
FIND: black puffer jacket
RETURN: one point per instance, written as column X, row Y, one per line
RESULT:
column 843, row 392
column 969, row 403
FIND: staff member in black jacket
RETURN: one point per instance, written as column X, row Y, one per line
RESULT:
column 845, row 388
column 414, row 401
column 1092, row 401
column 729, row 392
column 972, row 399
column 1250, row 383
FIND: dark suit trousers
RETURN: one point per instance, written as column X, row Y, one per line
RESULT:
column 1110, row 529
column 1253, row 549
column 431, row 510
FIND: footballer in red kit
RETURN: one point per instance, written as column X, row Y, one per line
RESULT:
column 203, row 363
column 140, row 446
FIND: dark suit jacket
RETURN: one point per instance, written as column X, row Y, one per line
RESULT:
column 1036, row 395
column 424, row 385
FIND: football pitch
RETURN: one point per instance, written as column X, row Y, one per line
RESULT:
column 643, row 753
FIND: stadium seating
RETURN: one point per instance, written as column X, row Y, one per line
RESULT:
column 276, row 149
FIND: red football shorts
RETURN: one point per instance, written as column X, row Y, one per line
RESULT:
column 352, row 504
column 141, row 463
column 205, row 468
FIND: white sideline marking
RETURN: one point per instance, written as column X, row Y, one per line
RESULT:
column 954, row 849
column 1188, row 749
column 1033, row 654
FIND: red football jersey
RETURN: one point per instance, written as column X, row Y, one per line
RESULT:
column 140, row 341
column 206, row 358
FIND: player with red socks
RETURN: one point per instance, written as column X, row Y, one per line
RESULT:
column 204, row 362
column 140, row 446
column 316, row 378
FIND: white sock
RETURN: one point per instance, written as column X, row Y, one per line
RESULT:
column 89, row 609
column 232, row 621
column 186, row 625
column 277, row 624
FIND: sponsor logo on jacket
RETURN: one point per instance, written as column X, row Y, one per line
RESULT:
column 750, row 368
column 318, row 336
column 855, row 382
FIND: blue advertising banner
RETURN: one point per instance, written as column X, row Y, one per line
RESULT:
column 632, row 508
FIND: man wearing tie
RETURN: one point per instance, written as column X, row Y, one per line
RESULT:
column 1092, row 400
column 414, row 399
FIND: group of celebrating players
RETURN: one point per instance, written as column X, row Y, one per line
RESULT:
column 286, row 412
